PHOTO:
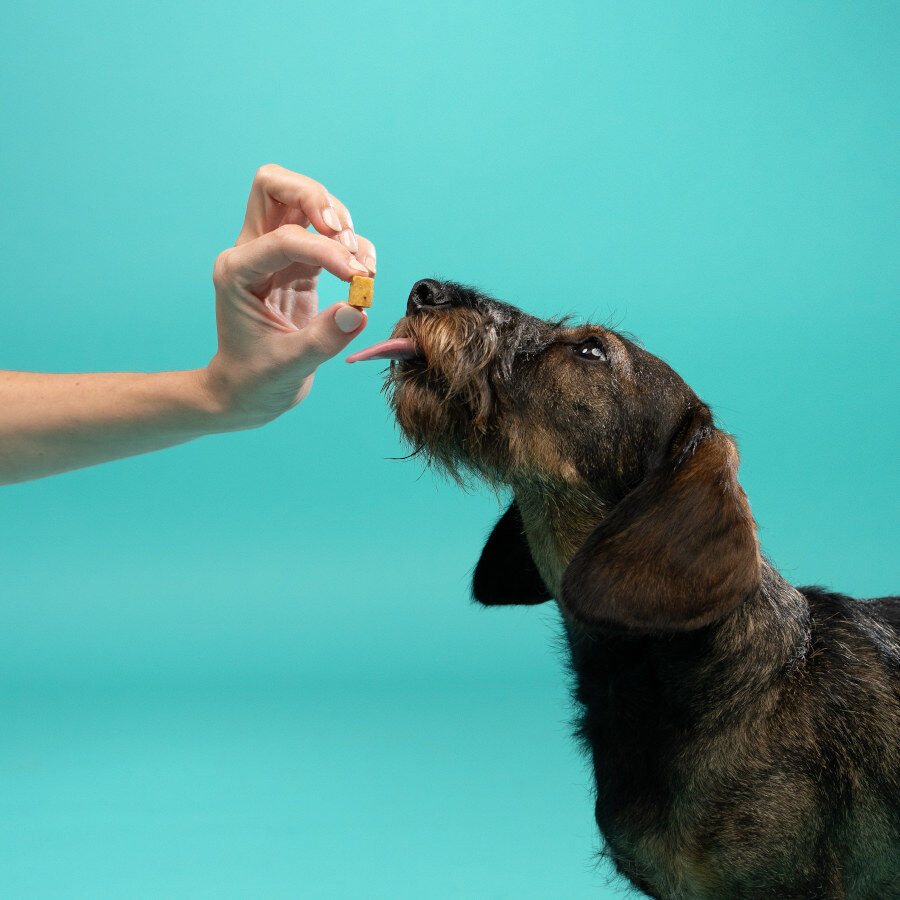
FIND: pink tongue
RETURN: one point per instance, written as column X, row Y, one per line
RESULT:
column 393, row 348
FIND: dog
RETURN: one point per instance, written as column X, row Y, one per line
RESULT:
column 744, row 733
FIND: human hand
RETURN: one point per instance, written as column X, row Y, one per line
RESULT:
column 271, row 338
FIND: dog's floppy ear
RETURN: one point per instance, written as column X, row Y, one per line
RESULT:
column 506, row 573
column 677, row 552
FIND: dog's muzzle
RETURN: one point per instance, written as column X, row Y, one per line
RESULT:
column 425, row 295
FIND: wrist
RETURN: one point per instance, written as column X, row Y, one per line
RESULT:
column 230, row 398
column 195, row 403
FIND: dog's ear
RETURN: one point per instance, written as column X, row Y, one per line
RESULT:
column 506, row 573
column 677, row 552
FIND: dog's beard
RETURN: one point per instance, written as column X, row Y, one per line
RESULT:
column 446, row 399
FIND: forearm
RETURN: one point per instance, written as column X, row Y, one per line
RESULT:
column 54, row 423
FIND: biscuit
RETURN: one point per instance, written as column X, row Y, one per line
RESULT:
column 361, row 291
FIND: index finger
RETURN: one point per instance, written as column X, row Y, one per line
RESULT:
column 253, row 262
column 274, row 188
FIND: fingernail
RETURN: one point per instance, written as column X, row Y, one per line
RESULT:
column 370, row 262
column 331, row 218
column 348, row 318
column 348, row 239
column 357, row 266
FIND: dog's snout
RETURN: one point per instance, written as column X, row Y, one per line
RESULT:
column 425, row 294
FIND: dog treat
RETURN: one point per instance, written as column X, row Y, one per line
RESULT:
column 361, row 291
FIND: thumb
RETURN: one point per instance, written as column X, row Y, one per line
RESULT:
column 327, row 333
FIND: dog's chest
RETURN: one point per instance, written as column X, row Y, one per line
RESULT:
column 651, row 835
column 688, row 806
column 654, row 794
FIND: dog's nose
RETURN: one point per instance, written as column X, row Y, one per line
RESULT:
column 425, row 294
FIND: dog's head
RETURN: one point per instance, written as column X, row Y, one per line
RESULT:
column 623, row 484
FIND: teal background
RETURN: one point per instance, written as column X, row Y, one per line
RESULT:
column 248, row 667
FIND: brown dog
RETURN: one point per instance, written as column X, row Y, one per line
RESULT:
column 745, row 734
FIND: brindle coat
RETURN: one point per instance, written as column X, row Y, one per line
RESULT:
column 745, row 734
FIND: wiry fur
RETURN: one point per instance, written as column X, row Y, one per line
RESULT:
column 744, row 734
column 450, row 420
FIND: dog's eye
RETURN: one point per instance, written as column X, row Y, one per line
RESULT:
column 590, row 350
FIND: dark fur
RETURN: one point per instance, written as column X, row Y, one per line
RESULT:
column 745, row 734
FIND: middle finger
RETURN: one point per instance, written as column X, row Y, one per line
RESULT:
column 347, row 235
column 275, row 191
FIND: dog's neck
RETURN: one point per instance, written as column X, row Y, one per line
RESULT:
column 755, row 646
column 558, row 517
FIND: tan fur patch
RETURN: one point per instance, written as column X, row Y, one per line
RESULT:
column 558, row 515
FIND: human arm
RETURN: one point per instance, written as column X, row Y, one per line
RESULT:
column 270, row 342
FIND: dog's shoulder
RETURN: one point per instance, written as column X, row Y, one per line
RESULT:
column 826, row 605
column 887, row 608
column 854, row 659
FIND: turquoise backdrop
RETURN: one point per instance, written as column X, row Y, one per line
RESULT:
column 248, row 666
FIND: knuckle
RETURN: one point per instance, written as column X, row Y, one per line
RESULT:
column 222, row 268
column 264, row 173
column 289, row 232
column 320, row 196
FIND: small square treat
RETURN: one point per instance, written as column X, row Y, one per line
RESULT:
column 361, row 291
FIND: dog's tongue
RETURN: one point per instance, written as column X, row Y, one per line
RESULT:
column 393, row 348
